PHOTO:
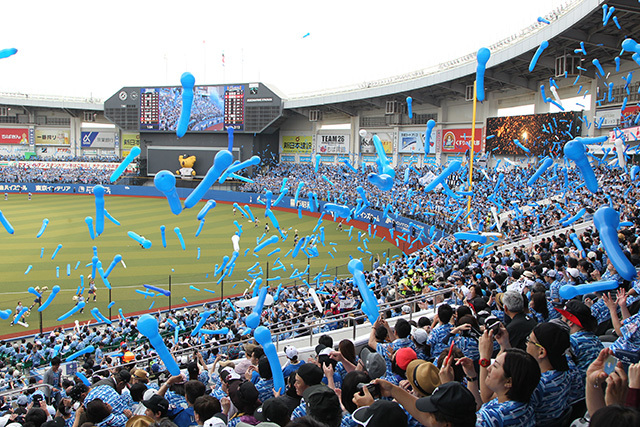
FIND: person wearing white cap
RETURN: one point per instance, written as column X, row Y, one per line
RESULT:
column 292, row 363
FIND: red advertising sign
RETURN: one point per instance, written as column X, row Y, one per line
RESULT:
column 459, row 140
column 14, row 136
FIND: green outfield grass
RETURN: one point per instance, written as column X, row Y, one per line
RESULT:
column 153, row 266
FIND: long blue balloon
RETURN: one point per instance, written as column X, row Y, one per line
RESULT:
column 570, row 291
column 89, row 222
column 341, row 211
column 470, row 236
column 536, row 56
column 575, row 150
column 179, row 234
column 253, row 320
column 5, row 222
column 482, row 57
column 370, row 307
column 45, row 222
column 574, row 218
column 135, row 152
column 410, row 106
column 253, row 161
column 73, row 311
column 606, row 220
column 188, row 82
column 141, row 240
column 205, row 209
column 86, row 350
column 203, row 319
column 453, row 167
column 148, row 326
column 98, row 192
column 55, row 252
column 222, row 161
column 271, row 240
column 159, row 290
column 383, row 181
column 95, row 312
column 542, row 169
column 116, row 260
column 5, row 53
column 165, row 182
column 263, row 337
column 163, row 236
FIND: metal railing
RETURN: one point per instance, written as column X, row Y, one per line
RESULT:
column 356, row 317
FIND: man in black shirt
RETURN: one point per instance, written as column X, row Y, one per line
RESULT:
column 521, row 324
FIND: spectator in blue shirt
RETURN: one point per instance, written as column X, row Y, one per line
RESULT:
column 441, row 329
column 548, row 343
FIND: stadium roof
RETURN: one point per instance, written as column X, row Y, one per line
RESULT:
column 576, row 21
column 48, row 101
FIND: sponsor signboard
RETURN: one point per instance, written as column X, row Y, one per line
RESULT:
column 459, row 140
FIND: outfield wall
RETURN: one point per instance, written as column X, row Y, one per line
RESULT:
column 381, row 227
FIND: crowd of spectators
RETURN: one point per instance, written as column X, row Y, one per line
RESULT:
column 75, row 175
column 503, row 348
column 521, row 214
column 207, row 110
column 63, row 158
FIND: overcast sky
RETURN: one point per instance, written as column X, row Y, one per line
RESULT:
column 83, row 48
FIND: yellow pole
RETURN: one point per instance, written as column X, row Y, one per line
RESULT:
column 473, row 138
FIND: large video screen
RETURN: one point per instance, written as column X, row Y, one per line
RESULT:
column 542, row 134
column 214, row 108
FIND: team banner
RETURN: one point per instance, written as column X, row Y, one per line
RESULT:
column 459, row 140
column 387, row 139
column 97, row 139
column 332, row 143
column 14, row 136
column 411, row 142
column 52, row 136
column 293, row 144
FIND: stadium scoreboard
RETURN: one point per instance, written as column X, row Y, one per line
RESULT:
column 248, row 107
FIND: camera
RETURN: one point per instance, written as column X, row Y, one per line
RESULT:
column 374, row 389
column 493, row 323
column 36, row 398
column 474, row 333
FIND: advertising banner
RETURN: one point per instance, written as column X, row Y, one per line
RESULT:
column 412, row 142
column 629, row 117
column 74, row 165
column 387, row 139
column 129, row 140
column 14, row 136
column 630, row 134
column 97, row 139
column 297, row 144
column 607, row 118
column 458, row 140
column 52, row 136
column 332, row 143
column 288, row 158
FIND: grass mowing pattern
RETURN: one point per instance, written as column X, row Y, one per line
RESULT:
column 153, row 266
